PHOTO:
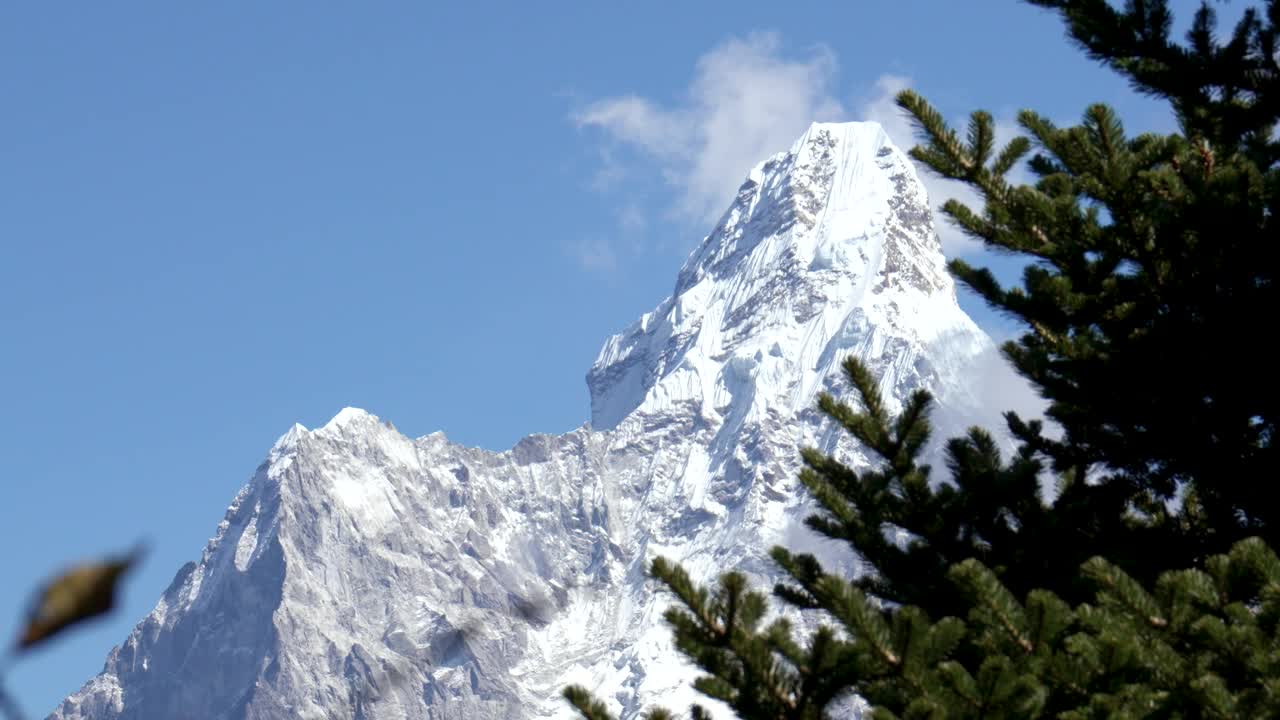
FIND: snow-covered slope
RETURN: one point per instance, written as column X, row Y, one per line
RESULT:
column 364, row 574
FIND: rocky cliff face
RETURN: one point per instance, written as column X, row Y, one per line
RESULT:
column 364, row 574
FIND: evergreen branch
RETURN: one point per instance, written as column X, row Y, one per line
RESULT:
column 805, row 570
column 677, row 580
column 1117, row 585
column 586, row 705
column 1015, row 150
column 868, row 392
column 863, row 426
column 850, row 606
column 981, row 138
column 987, row 592
column 944, row 155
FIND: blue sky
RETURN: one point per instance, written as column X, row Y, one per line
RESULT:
column 217, row 219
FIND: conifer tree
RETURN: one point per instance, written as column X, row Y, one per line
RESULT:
column 1152, row 271
column 1153, row 256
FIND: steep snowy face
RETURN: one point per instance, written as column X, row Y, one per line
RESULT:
column 828, row 248
column 364, row 574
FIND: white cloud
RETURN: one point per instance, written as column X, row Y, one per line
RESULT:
column 745, row 102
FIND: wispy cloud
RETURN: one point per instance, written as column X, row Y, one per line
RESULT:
column 748, row 99
column 610, row 173
column 595, row 255
column 631, row 219
column 745, row 102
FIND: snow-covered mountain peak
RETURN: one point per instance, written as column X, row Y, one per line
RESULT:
column 834, row 187
column 821, row 243
column 349, row 416
column 365, row 574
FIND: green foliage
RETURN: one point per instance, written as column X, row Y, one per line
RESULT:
column 590, row 708
column 1205, row 643
column 989, row 512
column 1151, row 257
column 1150, row 261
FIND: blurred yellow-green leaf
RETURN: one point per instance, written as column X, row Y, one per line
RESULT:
column 81, row 593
